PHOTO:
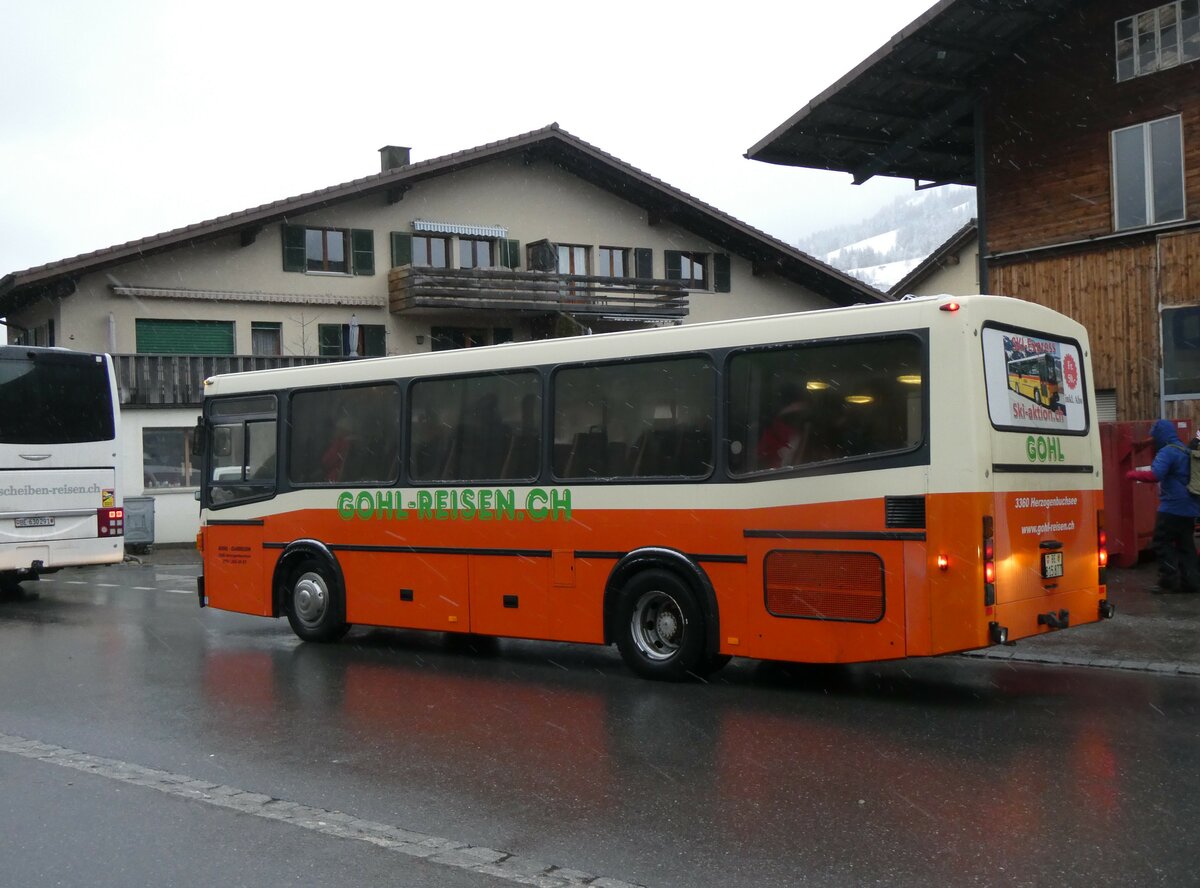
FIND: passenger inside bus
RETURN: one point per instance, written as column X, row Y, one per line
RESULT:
column 785, row 439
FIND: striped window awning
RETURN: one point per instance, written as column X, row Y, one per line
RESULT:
column 455, row 228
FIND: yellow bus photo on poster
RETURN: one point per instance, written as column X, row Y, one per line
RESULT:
column 1033, row 382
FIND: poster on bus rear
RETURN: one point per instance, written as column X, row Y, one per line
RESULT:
column 1033, row 382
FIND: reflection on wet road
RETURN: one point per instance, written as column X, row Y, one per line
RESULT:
column 950, row 771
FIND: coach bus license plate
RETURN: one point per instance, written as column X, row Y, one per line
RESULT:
column 38, row 521
column 1052, row 564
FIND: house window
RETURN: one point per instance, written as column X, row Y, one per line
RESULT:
column 325, row 250
column 41, row 335
column 1148, row 173
column 690, row 269
column 167, row 459
column 1181, row 351
column 1157, row 39
column 430, row 251
column 572, row 259
column 613, row 262
column 328, row 250
column 339, row 341
column 266, row 338
column 475, row 253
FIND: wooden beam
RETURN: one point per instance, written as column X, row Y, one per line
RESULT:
column 911, row 141
column 247, row 236
column 396, row 193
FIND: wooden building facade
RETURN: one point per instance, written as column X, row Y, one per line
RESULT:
column 1079, row 123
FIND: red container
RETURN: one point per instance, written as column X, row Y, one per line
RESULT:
column 1129, row 506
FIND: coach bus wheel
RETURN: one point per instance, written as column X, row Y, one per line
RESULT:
column 660, row 627
column 314, row 605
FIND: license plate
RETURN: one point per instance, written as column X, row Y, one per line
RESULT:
column 38, row 521
column 1052, row 564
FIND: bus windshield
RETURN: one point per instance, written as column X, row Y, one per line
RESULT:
column 53, row 398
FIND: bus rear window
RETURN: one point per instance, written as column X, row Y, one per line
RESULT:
column 1034, row 382
column 50, row 398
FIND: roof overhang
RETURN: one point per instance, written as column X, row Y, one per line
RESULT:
column 910, row 109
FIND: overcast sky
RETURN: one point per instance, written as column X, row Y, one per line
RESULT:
column 124, row 118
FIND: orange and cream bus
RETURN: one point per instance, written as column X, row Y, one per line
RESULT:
column 836, row 486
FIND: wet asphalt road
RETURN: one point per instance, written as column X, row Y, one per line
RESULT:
column 955, row 771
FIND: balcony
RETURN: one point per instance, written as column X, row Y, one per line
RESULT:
column 534, row 292
column 178, row 380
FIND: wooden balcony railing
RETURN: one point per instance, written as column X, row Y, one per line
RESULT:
column 178, row 380
column 502, row 289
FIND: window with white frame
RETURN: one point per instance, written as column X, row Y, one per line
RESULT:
column 1147, row 163
column 1158, row 39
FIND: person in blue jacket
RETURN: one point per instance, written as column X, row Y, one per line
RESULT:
column 1175, row 524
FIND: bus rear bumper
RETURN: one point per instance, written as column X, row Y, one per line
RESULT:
column 1049, row 613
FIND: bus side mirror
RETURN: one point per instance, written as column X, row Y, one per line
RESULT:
column 198, row 437
column 222, row 441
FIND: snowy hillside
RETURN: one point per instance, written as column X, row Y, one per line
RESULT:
column 883, row 248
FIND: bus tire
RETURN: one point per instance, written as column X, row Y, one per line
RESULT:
column 660, row 627
column 315, row 607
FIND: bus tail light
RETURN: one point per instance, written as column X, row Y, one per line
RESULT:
column 110, row 522
column 989, row 562
column 949, row 306
column 1101, row 547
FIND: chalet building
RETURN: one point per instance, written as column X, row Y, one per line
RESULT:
column 535, row 236
column 1078, row 121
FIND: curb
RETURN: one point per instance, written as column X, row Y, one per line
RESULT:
column 1158, row 668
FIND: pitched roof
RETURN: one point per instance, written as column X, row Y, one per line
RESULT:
column 934, row 260
column 908, row 109
column 550, row 142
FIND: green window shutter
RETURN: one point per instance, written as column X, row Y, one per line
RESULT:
column 510, row 253
column 362, row 250
column 674, row 264
column 721, row 274
column 294, row 253
column 329, row 340
column 401, row 249
column 643, row 262
column 168, row 337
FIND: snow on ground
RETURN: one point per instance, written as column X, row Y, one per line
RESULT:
column 880, row 242
column 883, row 276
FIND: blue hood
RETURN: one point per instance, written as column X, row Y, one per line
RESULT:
column 1163, row 433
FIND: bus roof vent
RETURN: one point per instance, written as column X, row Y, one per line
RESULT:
column 904, row 511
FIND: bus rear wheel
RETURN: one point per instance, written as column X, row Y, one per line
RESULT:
column 660, row 627
column 314, row 606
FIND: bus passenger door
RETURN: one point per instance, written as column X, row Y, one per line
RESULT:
column 233, row 568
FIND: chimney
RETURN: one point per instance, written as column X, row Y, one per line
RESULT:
column 392, row 157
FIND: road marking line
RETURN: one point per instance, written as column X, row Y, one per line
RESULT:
column 435, row 849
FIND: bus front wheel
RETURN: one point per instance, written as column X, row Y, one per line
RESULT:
column 660, row 627
column 315, row 607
